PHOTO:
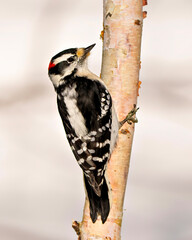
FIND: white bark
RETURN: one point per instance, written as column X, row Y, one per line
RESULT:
column 123, row 21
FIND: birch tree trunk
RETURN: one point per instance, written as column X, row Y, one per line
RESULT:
column 123, row 21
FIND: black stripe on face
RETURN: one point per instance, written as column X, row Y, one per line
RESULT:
column 58, row 68
column 71, row 50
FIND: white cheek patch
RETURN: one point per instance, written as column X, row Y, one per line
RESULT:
column 55, row 79
column 58, row 79
column 62, row 58
column 69, row 69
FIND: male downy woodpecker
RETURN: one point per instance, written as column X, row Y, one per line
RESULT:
column 90, row 122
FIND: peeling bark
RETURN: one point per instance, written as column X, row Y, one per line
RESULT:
column 123, row 20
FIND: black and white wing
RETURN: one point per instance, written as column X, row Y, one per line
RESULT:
column 89, row 121
column 91, row 149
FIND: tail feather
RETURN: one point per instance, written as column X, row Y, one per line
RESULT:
column 98, row 205
column 104, row 201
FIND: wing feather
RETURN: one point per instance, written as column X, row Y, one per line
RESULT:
column 92, row 150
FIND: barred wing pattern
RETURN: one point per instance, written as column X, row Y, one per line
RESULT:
column 92, row 150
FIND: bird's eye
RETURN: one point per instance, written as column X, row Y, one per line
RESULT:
column 71, row 59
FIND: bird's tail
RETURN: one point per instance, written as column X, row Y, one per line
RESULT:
column 99, row 205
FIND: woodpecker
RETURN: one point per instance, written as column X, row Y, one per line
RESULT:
column 90, row 122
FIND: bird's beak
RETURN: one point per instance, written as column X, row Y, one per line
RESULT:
column 88, row 49
column 82, row 53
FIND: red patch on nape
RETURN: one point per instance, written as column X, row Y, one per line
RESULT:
column 51, row 65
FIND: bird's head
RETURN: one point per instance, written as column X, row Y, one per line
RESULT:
column 66, row 62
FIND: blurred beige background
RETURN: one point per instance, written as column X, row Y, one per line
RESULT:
column 41, row 187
